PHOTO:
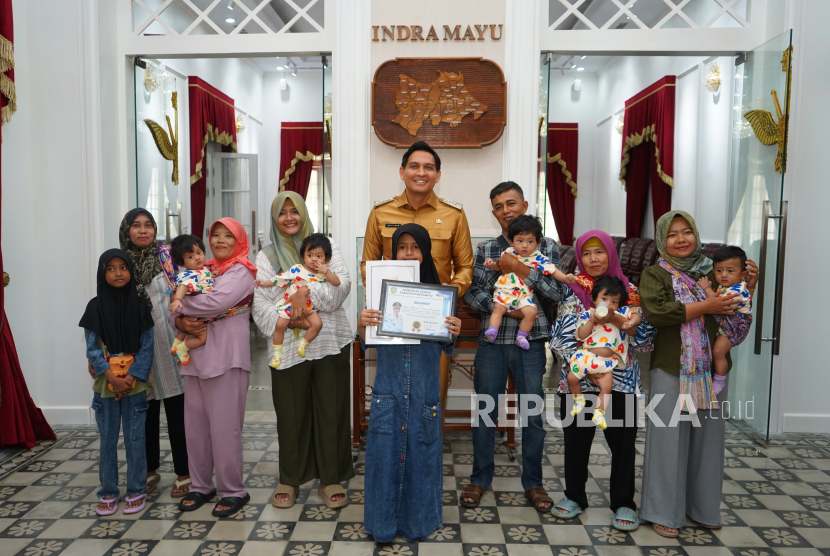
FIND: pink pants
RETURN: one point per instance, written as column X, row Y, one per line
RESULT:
column 214, row 410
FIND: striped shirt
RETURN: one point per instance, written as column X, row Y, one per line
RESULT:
column 563, row 343
column 480, row 295
column 327, row 299
column 167, row 380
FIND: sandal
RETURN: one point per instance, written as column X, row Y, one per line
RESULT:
column 663, row 531
column 625, row 514
column 282, row 488
column 473, row 491
column 538, row 496
column 327, row 492
column 152, row 482
column 112, row 505
column 130, row 499
column 178, row 491
column 198, row 498
column 571, row 509
column 234, row 503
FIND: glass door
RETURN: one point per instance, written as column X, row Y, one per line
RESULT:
column 758, row 219
column 232, row 191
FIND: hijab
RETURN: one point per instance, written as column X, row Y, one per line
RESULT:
column 429, row 274
column 695, row 265
column 240, row 253
column 116, row 315
column 286, row 246
column 584, row 283
column 145, row 259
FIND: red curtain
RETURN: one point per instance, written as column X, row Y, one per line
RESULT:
column 212, row 118
column 563, row 153
column 300, row 144
column 21, row 422
column 648, row 152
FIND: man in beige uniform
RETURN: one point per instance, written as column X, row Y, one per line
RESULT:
column 452, row 248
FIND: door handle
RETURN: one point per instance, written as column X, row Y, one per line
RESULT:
column 779, row 286
column 762, row 265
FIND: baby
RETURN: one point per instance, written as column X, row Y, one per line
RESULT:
column 511, row 293
column 603, row 345
column 730, row 273
column 188, row 251
column 316, row 254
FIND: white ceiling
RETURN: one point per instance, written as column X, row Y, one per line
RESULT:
column 302, row 62
column 571, row 64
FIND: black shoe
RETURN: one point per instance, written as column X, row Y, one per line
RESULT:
column 198, row 498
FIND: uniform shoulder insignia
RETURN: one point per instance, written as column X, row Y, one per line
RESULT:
column 383, row 202
column 453, row 204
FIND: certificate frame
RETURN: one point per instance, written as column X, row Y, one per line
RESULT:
column 449, row 306
column 376, row 272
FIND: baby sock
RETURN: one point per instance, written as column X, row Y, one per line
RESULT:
column 276, row 359
column 176, row 343
column 579, row 404
column 181, row 353
column 301, row 347
column 718, row 382
column 599, row 419
column 521, row 340
column 491, row 333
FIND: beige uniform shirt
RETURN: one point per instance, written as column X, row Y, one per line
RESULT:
column 452, row 248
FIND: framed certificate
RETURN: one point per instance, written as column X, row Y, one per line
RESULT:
column 376, row 273
column 415, row 310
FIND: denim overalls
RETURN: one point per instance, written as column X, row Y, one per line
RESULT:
column 404, row 452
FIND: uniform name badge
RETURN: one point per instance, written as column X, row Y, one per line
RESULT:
column 416, row 310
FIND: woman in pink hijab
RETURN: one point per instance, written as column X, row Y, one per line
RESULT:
column 596, row 257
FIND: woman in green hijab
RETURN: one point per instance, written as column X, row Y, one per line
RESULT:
column 311, row 394
column 683, row 462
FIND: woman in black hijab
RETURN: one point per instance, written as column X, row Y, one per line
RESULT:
column 118, row 329
column 404, row 453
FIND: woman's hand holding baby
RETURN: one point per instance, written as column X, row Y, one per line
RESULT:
column 633, row 322
column 175, row 305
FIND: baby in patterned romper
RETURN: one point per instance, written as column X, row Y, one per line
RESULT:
column 315, row 251
column 188, row 251
column 511, row 293
column 730, row 273
column 604, row 346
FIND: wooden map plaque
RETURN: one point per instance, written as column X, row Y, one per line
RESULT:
column 447, row 102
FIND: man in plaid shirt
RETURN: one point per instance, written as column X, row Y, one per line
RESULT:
column 494, row 361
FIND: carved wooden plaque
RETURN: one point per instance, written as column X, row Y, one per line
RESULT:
column 447, row 102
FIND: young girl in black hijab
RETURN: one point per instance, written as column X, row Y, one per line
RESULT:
column 404, row 452
column 119, row 345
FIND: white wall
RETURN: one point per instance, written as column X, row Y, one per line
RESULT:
column 302, row 101
column 800, row 391
column 45, row 208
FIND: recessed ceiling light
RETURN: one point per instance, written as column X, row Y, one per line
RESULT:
column 230, row 20
column 583, row 57
column 280, row 68
column 580, row 69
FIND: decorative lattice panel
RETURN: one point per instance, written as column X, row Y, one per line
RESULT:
column 227, row 17
column 593, row 15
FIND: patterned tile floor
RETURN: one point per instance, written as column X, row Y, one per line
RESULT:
column 776, row 501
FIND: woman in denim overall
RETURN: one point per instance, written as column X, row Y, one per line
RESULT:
column 404, row 452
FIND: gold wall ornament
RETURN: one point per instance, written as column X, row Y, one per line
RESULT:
column 168, row 148
column 767, row 130
column 240, row 124
column 712, row 81
column 621, row 123
column 6, row 279
column 151, row 79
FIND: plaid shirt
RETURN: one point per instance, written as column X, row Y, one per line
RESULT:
column 480, row 295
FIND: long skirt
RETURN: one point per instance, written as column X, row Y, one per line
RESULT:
column 683, row 467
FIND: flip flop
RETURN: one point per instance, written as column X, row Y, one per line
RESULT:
column 177, row 485
column 108, row 501
column 235, row 504
column 130, row 499
column 663, row 533
column 198, row 498
column 152, row 482
column 571, row 507
column 625, row 514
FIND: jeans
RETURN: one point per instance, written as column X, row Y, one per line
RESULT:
column 492, row 364
column 109, row 415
